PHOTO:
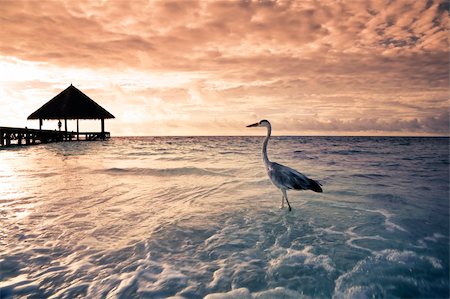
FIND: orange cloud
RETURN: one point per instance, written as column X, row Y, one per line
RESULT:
column 332, row 63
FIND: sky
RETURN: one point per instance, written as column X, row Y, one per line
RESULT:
column 200, row 67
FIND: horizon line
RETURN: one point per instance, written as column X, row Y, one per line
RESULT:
column 388, row 136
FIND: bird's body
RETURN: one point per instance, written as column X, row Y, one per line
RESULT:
column 283, row 177
column 290, row 179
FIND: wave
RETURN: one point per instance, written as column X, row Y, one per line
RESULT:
column 351, row 152
column 177, row 171
column 278, row 292
column 394, row 268
column 231, row 153
column 369, row 175
column 387, row 197
column 390, row 226
column 149, row 153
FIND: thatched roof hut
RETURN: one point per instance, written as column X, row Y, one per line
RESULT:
column 71, row 103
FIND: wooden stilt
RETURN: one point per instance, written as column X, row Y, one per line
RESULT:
column 103, row 129
column 65, row 128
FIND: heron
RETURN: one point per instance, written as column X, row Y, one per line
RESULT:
column 283, row 177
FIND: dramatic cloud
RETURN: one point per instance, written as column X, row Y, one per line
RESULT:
column 210, row 67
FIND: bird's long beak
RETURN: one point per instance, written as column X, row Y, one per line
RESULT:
column 253, row 125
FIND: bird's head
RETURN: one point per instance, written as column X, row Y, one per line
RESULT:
column 262, row 123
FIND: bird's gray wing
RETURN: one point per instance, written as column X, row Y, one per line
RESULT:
column 288, row 178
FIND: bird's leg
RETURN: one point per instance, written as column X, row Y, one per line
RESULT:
column 285, row 197
column 282, row 201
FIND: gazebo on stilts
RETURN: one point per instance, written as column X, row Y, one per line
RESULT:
column 73, row 104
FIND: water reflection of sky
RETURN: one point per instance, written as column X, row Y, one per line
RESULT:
column 173, row 215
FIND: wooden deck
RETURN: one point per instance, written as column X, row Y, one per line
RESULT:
column 24, row 136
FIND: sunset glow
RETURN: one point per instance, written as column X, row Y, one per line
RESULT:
column 211, row 67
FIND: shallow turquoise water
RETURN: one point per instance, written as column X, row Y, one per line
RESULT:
column 195, row 217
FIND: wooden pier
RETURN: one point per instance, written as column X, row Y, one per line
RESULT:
column 69, row 104
column 24, row 136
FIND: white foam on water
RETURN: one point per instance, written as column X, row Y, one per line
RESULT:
column 391, row 267
column 435, row 237
column 388, row 216
column 244, row 293
column 330, row 230
column 436, row 263
column 355, row 237
column 388, row 223
column 300, row 258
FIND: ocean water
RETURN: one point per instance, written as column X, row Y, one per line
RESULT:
column 194, row 217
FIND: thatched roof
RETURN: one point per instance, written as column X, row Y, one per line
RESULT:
column 71, row 103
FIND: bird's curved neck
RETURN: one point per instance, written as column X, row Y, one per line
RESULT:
column 264, row 148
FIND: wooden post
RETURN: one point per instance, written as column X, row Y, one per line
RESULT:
column 40, row 123
column 2, row 141
column 65, row 128
column 78, row 130
column 19, row 138
column 103, row 129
